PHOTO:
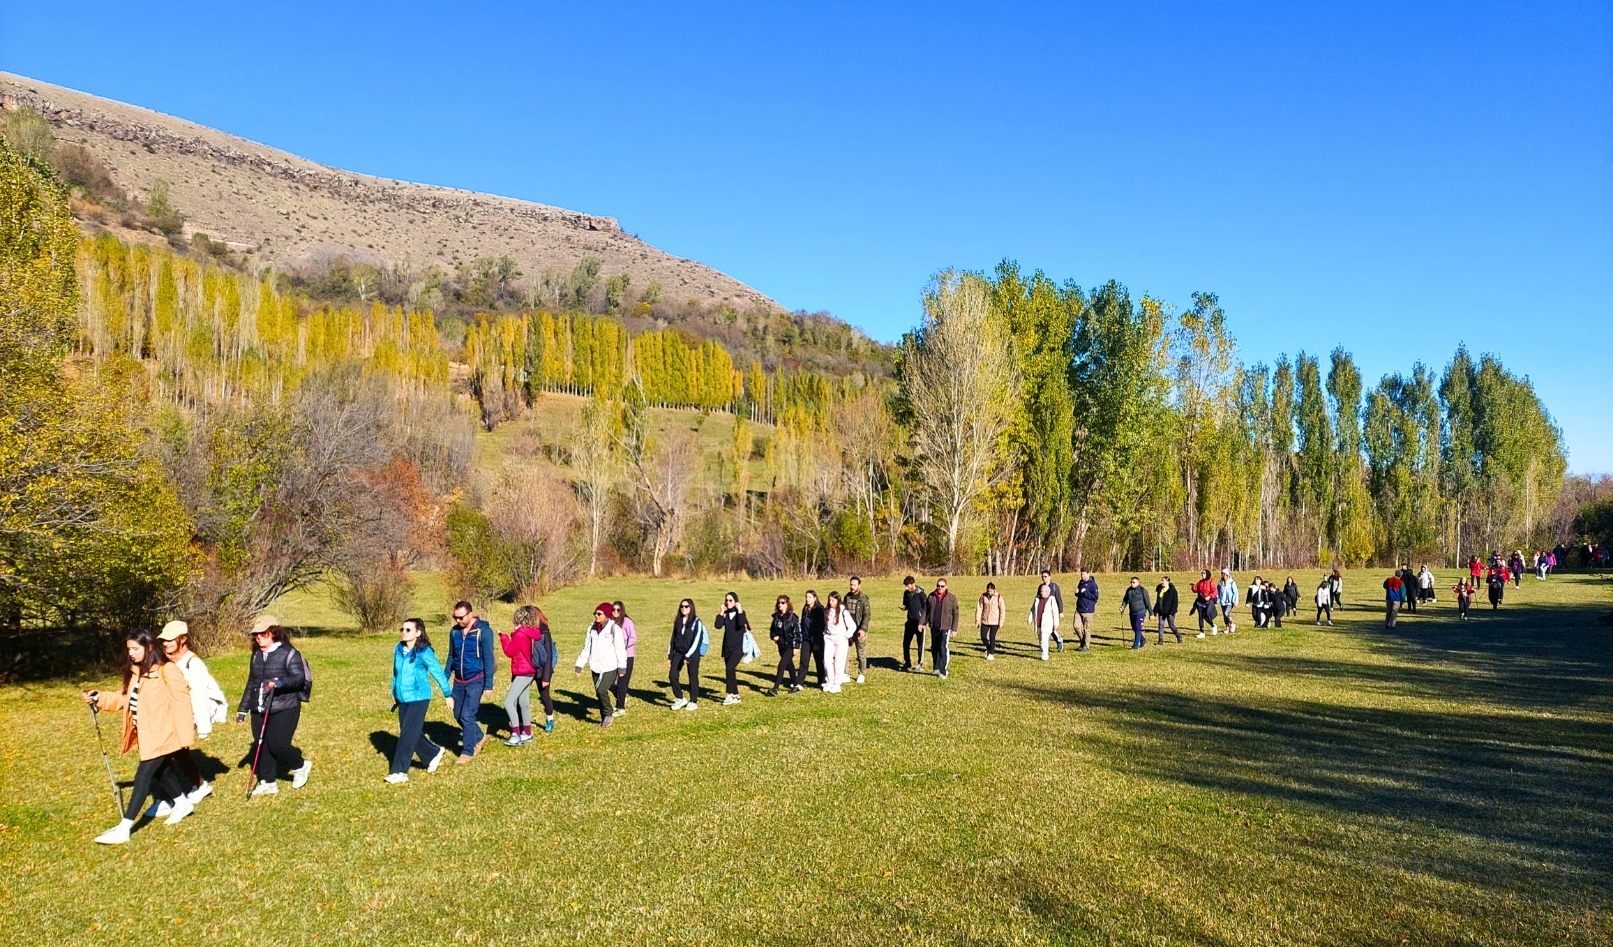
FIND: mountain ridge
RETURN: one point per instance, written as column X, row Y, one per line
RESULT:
column 291, row 213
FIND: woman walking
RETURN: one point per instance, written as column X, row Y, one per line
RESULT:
column 786, row 633
column 531, row 651
column 1165, row 607
column 275, row 680
column 1324, row 600
column 812, row 637
column 157, row 719
column 1336, row 588
column 1044, row 616
column 989, row 613
column 1204, row 601
column 630, row 635
column 208, row 706
column 689, row 641
column 1425, row 584
column 838, row 627
column 734, row 627
column 1464, row 598
column 604, row 652
column 415, row 669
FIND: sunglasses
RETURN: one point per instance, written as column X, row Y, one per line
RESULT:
column 683, row 608
column 461, row 617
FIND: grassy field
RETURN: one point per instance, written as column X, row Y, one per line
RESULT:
column 1445, row 783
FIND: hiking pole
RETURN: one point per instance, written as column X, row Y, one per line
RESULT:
column 252, row 776
column 117, row 791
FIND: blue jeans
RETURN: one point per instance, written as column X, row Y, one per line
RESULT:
column 1137, row 620
column 467, row 701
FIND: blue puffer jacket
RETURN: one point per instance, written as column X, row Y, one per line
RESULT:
column 413, row 670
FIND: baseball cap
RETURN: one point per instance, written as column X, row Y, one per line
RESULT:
column 173, row 630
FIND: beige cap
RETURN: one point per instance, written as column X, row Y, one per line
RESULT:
column 173, row 630
column 263, row 623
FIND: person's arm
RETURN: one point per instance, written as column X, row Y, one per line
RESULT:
column 291, row 681
column 249, row 688
column 489, row 659
column 619, row 639
column 506, row 644
column 587, row 650
column 435, row 672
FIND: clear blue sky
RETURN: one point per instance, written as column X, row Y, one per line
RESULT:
column 1391, row 177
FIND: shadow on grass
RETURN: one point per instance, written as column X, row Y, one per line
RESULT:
column 1488, row 762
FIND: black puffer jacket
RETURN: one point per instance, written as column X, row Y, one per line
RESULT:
column 812, row 622
column 786, row 630
column 283, row 665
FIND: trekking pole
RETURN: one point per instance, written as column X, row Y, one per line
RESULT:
column 252, row 776
column 117, row 791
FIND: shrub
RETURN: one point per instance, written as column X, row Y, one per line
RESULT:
column 376, row 596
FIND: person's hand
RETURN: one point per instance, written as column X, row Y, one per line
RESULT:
column 239, row 718
column 90, row 697
column 450, row 702
column 862, row 635
column 576, row 670
column 268, row 685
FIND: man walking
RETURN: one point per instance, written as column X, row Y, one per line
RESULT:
column 470, row 661
column 1086, row 602
column 857, row 606
column 1135, row 601
column 943, row 622
column 1058, row 599
column 916, row 606
column 1227, row 598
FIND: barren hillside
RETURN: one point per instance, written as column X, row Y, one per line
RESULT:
column 287, row 212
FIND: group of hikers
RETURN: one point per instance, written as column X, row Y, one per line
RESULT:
column 169, row 700
column 1405, row 589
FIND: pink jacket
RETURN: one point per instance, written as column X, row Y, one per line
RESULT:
column 518, row 648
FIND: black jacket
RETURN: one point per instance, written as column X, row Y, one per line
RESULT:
column 813, row 620
column 1291, row 592
column 282, row 665
column 786, row 630
column 1136, row 600
column 916, row 605
column 1165, row 606
column 733, row 625
column 685, row 634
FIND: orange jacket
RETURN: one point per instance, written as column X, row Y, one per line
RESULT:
column 166, row 721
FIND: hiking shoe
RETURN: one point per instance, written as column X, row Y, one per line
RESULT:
column 548, row 726
column 463, row 758
column 182, row 807
column 436, row 761
column 265, row 789
column 514, row 740
column 116, row 835
column 479, row 744
column 680, row 703
column 395, row 778
column 200, row 792
column 299, row 776
column 606, row 722
column 1060, row 645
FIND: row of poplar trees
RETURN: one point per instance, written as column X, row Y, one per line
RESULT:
column 1051, row 424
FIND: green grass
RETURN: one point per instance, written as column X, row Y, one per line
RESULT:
column 1445, row 783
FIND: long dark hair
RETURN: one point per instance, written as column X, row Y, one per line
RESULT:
column 686, row 622
column 623, row 608
column 154, row 655
column 789, row 606
column 424, row 641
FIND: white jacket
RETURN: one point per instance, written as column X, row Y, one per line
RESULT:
column 604, row 650
column 1050, row 617
column 843, row 627
column 207, row 701
column 1324, row 595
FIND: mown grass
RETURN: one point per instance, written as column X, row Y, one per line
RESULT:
column 1445, row 783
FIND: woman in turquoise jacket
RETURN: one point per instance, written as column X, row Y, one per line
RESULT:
column 414, row 668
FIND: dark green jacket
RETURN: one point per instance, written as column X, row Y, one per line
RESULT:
column 861, row 611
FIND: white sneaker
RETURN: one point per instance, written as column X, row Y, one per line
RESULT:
column 265, row 789
column 1214, row 632
column 182, row 807
column 692, row 706
column 395, row 778
column 200, row 792
column 514, row 740
column 1044, row 655
column 116, row 835
column 436, row 761
column 1199, row 635
column 730, row 700
column 991, row 657
column 619, row 711
column 159, row 809
column 299, row 776
column 680, row 703
column 859, row 679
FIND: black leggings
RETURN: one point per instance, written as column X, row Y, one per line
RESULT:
column 692, row 662
column 621, row 685
column 278, row 752
column 811, row 650
column 156, row 778
column 545, row 694
column 988, row 638
column 731, row 673
column 786, row 666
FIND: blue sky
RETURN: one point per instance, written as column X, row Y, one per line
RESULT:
column 1395, row 178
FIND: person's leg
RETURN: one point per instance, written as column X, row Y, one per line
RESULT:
column 282, row 730
column 186, row 774
column 604, row 690
column 1042, row 636
column 1159, row 628
column 411, row 730
column 1137, row 639
column 675, row 672
column 991, row 639
column 731, row 675
column 694, row 679
column 943, row 644
column 265, row 771
column 145, row 777
column 512, row 703
column 784, row 665
column 546, row 694
column 861, row 643
column 459, row 692
column 1086, row 629
column 467, row 715
column 623, row 679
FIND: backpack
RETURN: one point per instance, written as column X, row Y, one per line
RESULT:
column 308, row 677
column 544, row 652
column 705, row 639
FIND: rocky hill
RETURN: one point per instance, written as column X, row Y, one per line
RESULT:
column 276, row 209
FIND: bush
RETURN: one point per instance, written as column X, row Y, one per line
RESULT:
column 376, row 597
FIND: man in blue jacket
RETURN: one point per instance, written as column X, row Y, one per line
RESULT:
column 1086, row 602
column 470, row 663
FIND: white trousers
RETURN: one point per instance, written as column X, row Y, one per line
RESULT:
column 834, row 654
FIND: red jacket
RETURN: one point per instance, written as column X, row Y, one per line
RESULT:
column 518, row 648
column 1205, row 588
